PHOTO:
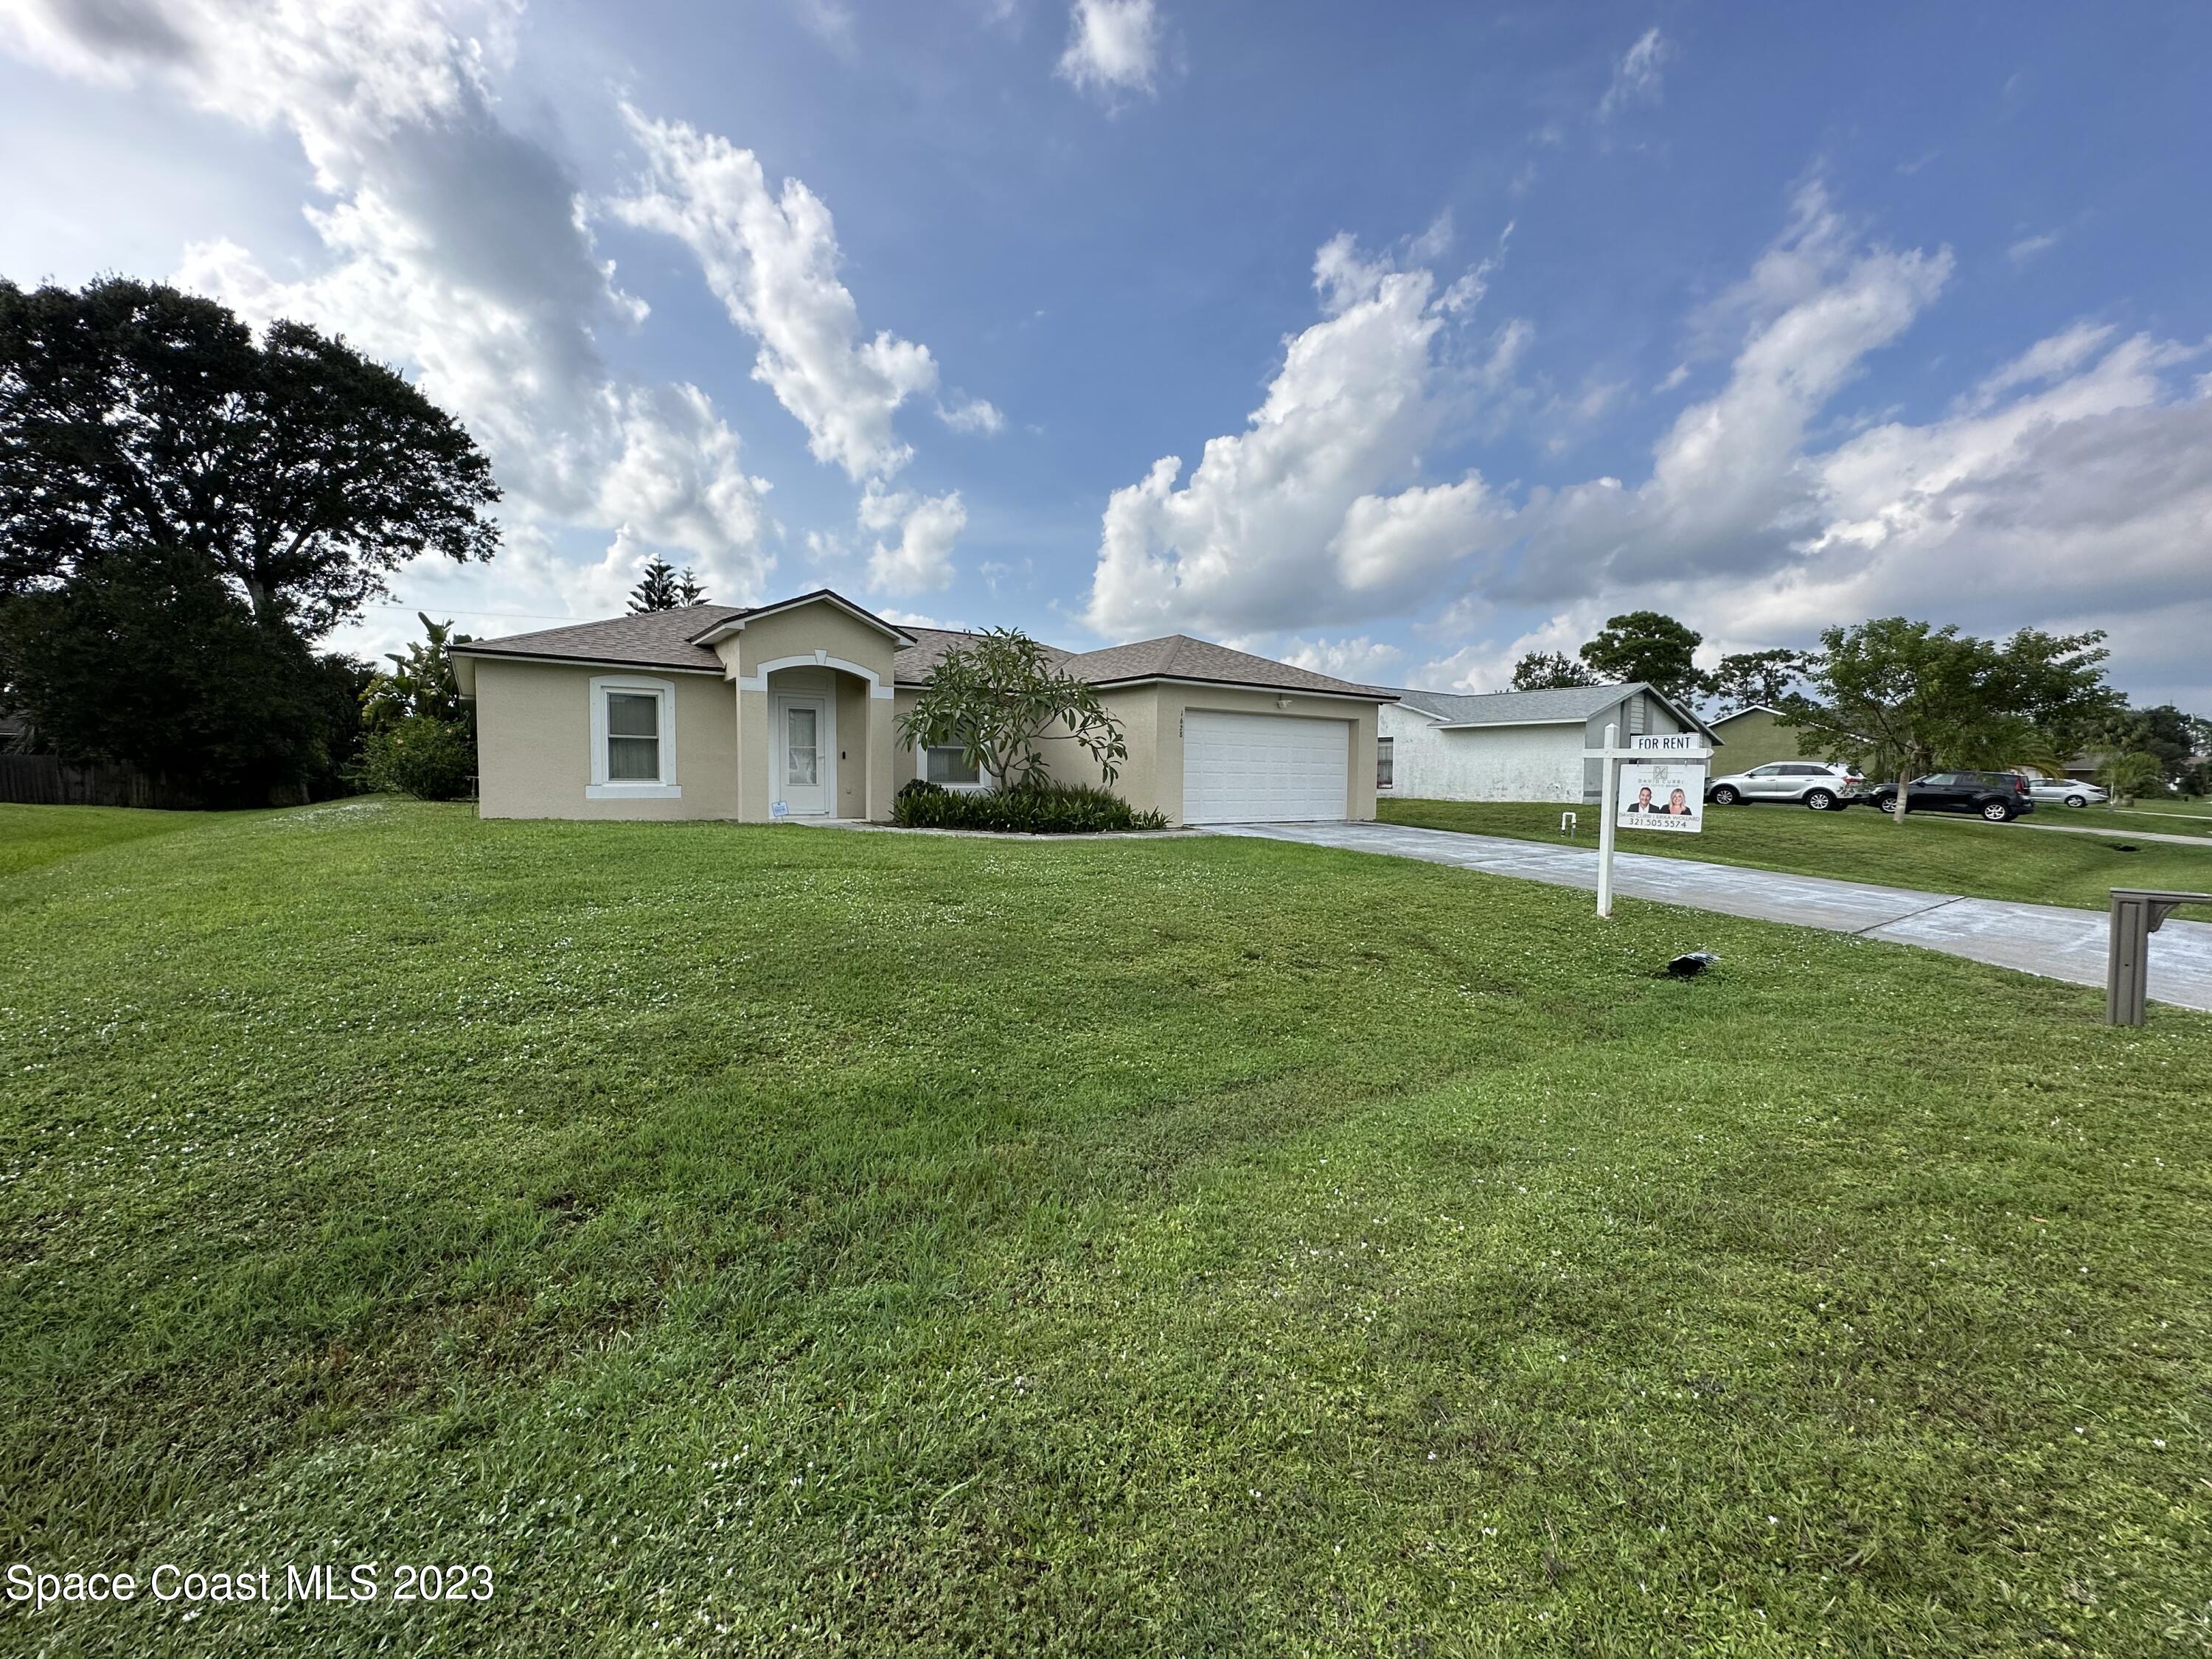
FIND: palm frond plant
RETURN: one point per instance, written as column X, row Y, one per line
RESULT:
column 2128, row 775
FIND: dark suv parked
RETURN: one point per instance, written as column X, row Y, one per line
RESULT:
column 1996, row 796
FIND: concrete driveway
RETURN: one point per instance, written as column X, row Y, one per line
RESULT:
column 2035, row 939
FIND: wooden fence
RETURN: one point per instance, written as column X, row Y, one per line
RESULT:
column 49, row 780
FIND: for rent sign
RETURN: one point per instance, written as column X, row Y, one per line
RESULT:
column 1661, row 795
column 1647, row 792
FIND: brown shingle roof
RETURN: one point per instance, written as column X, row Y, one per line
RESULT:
column 651, row 639
column 917, row 662
column 1179, row 657
column 666, row 639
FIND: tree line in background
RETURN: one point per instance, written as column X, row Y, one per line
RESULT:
column 186, row 512
column 1902, row 698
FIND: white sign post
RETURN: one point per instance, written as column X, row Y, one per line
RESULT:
column 1662, row 787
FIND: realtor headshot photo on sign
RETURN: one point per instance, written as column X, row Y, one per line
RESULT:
column 1661, row 796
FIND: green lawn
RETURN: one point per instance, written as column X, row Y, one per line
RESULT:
column 754, row 1240
column 1943, row 853
column 2194, row 815
column 32, row 835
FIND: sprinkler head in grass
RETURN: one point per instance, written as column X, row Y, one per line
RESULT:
column 1690, row 965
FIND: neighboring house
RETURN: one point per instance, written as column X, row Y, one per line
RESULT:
column 1514, row 745
column 2086, row 767
column 725, row 712
column 1755, row 736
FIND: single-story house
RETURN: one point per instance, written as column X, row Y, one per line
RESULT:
column 1514, row 745
column 789, row 709
column 1755, row 737
column 2087, row 766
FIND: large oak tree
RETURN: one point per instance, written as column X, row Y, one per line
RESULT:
column 134, row 417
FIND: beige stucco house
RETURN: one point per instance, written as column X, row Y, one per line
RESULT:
column 789, row 709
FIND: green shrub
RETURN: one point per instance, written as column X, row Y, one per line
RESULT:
column 422, row 755
column 1030, row 809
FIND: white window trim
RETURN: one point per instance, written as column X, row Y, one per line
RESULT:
column 921, row 770
column 665, row 788
column 1390, row 787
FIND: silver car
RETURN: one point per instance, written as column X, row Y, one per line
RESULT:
column 1823, row 787
column 2069, row 791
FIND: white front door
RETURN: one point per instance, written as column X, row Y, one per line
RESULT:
column 805, row 745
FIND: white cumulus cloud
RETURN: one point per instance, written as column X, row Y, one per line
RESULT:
column 2071, row 488
column 453, row 246
column 921, row 560
column 771, row 257
column 1726, row 492
column 1314, row 511
column 1113, row 47
column 1363, row 660
column 972, row 414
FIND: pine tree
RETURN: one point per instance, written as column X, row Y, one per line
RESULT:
column 688, row 588
column 656, row 590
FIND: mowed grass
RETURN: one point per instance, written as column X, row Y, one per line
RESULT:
column 756, row 1240
column 2195, row 814
column 1944, row 853
column 32, row 835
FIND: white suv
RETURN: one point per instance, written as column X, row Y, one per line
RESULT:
column 1804, row 783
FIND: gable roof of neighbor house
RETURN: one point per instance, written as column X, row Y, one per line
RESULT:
column 1748, row 708
column 658, row 639
column 1565, row 705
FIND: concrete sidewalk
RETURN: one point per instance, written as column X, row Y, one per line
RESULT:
column 2035, row 939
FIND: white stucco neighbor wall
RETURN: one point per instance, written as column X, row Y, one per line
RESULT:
column 1491, row 763
column 1509, row 762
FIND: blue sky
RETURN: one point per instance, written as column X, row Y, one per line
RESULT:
column 1465, row 326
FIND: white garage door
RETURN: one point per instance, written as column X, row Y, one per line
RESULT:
column 1263, row 769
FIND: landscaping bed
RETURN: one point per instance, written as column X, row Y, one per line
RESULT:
column 1028, row 809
